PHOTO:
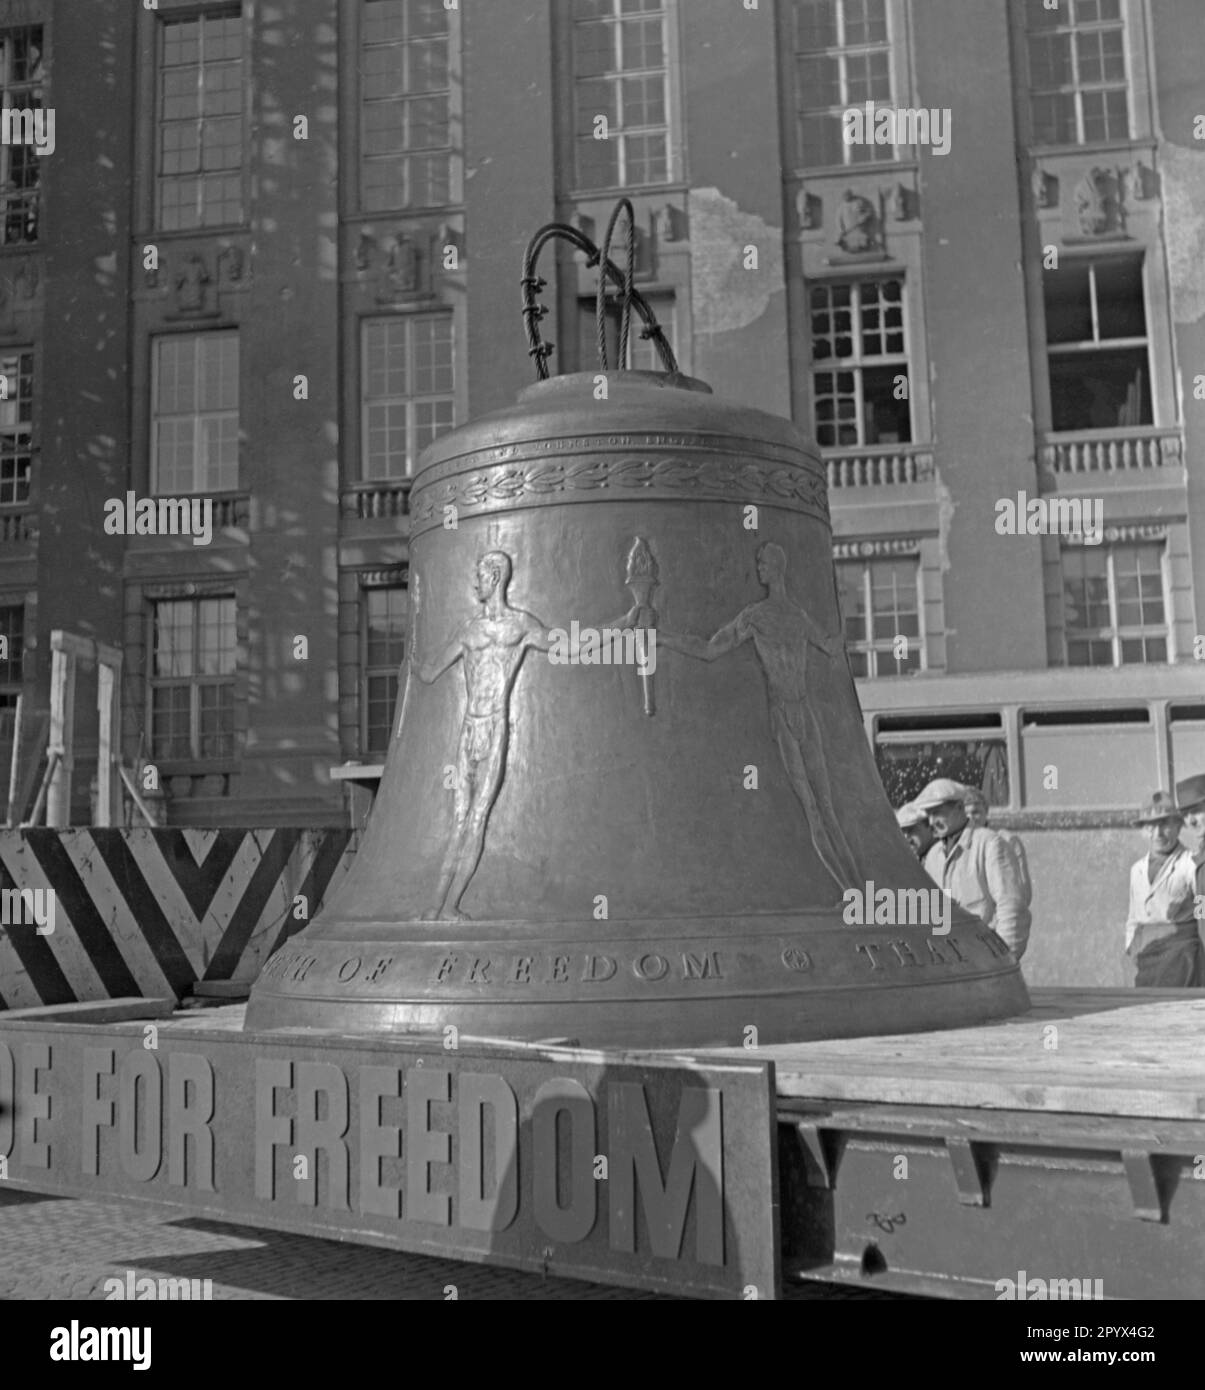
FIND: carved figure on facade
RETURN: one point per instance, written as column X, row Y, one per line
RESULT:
column 230, row 265
column 1045, row 188
column 190, row 282
column 856, row 223
column 665, row 224
column 403, row 266
column 781, row 633
column 809, row 209
column 1140, row 181
column 366, row 252
column 28, row 278
column 1095, row 202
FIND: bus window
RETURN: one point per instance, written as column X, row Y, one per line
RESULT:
column 1087, row 758
column 911, row 750
column 1188, row 740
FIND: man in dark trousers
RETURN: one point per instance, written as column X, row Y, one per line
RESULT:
column 1163, row 935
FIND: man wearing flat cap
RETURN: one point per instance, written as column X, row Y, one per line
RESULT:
column 1163, row 935
column 915, row 825
column 974, row 866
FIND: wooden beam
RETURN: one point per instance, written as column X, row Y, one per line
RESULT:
column 62, row 732
column 15, row 761
column 104, row 748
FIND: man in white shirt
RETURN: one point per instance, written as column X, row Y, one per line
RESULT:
column 1162, row 931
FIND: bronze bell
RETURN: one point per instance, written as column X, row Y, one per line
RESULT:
column 629, row 786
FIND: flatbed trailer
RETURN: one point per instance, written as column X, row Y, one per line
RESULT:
column 1057, row 1154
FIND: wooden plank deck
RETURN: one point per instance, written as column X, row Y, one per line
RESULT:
column 1111, row 1052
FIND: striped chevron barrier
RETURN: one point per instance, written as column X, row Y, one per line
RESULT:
column 151, row 912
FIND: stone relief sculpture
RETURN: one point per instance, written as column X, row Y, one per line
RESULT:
column 190, row 284
column 1092, row 202
column 491, row 647
column 781, row 633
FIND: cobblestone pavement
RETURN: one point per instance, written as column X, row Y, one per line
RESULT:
column 65, row 1248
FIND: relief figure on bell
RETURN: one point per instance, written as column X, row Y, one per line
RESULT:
column 491, row 646
column 781, row 633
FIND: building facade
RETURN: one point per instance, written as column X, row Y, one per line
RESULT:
column 275, row 251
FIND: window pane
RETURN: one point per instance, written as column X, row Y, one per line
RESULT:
column 1106, row 389
column 12, row 626
column 906, row 768
column 200, row 121
column 173, row 642
column 1068, row 295
column 619, row 66
column 886, row 413
column 1119, row 297
column 815, row 24
column 405, row 106
column 851, row 596
column 1054, row 119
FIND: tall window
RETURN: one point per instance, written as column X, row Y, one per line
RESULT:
column 879, row 605
column 859, row 363
column 621, row 100
column 16, row 426
column 12, row 628
column 842, row 59
column 200, row 121
column 1114, row 605
column 194, row 438
column 383, row 645
column 405, row 135
column 642, row 355
column 1097, row 344
column 20, row 164
column 407, row 385
column 1077, row 72
column 192, row 679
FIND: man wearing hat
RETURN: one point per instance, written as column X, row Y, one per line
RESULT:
column 1190, row 799
column 974, row 866
column 915, row 825
column 1162, row 932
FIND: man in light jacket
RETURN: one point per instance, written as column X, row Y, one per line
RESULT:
column 976, row 803
column 1163, row 936
column 974, row 866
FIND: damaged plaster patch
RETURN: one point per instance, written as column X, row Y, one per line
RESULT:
column 1182, row 175
column 724, row 295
